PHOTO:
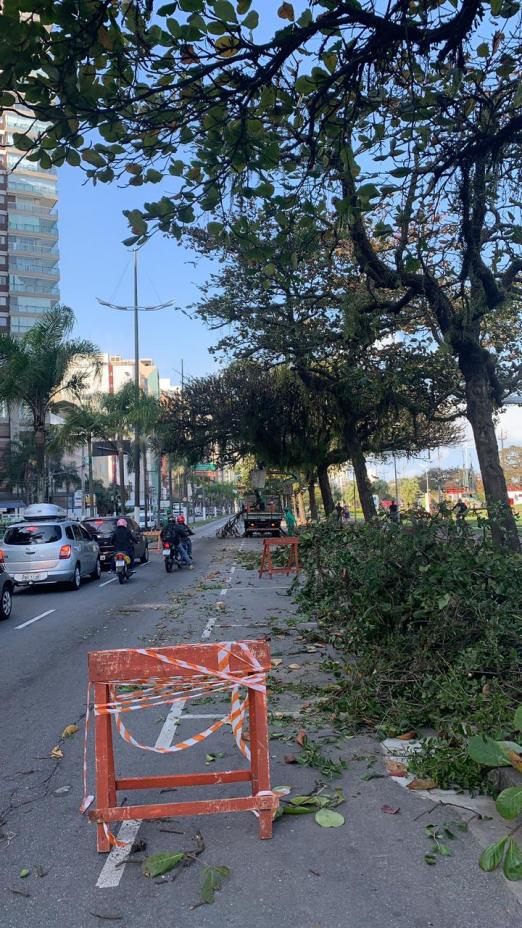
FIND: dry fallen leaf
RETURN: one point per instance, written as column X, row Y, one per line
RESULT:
column 295, row 666
column 390, row 810
column 395, row 768
column 515, row 760
column 290, row 759
column 419, row 783
column 57, row 751
column 407, row 736
column 69, row 731
column 276, row 661
column 301, row 737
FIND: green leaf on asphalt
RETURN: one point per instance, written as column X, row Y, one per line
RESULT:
column 509, row 802
column 492, row 855
column 161, row 863
column 213, row 879
column 430, row 859
column 513, row 861
column 327, row 818
column 25, row 872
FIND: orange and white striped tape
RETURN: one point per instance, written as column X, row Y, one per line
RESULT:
column 149, row 692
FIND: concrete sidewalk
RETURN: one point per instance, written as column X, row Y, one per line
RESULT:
column 367, row 873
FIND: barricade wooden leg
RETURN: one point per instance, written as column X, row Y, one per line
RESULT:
column 262, row 564
column 259, row 755
column 105, row 779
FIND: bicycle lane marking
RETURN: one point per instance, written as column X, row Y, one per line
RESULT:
column 114, row 866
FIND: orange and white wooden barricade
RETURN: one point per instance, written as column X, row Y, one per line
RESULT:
column 162, row 676
column 292, row 565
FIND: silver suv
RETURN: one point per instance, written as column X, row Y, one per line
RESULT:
column 48, row 547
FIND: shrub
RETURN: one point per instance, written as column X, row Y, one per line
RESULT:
column 430, row 622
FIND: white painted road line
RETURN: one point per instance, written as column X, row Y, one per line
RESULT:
column 112, row 580
column 114, row 866
column 36, row 619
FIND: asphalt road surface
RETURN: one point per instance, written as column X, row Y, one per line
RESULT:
column 369, row 873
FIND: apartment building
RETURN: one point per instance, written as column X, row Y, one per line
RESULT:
column 29, row 254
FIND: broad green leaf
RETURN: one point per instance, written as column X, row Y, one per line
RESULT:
column 161, row 863
column 327, row 818
column 243, row 6
column 509, row 802
column 176, row 168
column 443, row 601
column 490, row 753
column 137, row 222
column 492, row 855
column 518, row 719
column 513, row 861
column 93, row 157
column 251, row 21
column 213, row 879
column 224, row 10
column 22, row 142
column 226, row 46
column 483, row 50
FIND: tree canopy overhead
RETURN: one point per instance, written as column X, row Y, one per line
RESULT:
column 405, row 120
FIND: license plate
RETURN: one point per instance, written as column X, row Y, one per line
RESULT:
column 35, row 575
column 166, row 552
column 102, row 557
column 120, row 563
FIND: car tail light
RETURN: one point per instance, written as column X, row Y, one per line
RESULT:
column 65, row 552
column 166, row 545
column 2, row 556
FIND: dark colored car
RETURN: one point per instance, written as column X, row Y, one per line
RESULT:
column 103, row 528
column 6, row 593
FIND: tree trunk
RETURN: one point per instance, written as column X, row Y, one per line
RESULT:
column 361, row 477
column 121, row 470
column 301, row 511
column 169, row 464
column 143, row 455
column 160, row 461
column 326, row 490
column 91, row 479
column 39, row 438
column 480, row 416
column 137, row 494
column 314, row 515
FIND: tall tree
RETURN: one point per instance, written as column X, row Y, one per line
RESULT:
column 38, row 366
column 85, row 422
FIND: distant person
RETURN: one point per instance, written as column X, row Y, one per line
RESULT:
column 290, row 520
column 443, row 508
column 393, row 511
column 346, row 514
column 461, row 509
column 339, row 511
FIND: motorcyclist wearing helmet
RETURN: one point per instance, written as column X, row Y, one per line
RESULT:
column 183, row 533
column 124, row 540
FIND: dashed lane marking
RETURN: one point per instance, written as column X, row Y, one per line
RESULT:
column 36, row 619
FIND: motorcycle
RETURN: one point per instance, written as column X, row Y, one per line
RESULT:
column 122, row 567
column 171, row 556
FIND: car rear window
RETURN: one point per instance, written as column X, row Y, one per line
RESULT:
column 33, row 534
column 100, row 526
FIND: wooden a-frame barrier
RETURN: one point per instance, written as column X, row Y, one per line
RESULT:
column 127, row 665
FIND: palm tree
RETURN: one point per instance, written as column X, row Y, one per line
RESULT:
column 85, row 422
column 39, row 365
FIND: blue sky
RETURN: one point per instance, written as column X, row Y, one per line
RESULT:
column 93, row 260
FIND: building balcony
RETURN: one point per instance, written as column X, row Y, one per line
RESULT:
column 36, row 228
column 22, row 207
column 28, row 247
column 38, row 270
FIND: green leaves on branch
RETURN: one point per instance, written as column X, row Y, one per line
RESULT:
column 506, row 852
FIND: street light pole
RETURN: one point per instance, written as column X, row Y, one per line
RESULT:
column 136, row 309
column 137, row 387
